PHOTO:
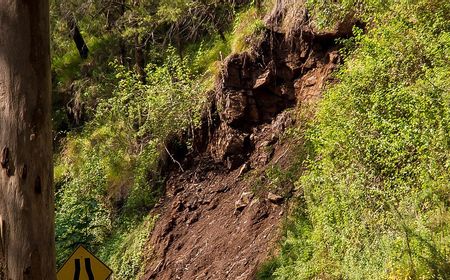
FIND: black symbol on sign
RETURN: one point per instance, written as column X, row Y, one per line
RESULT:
column 87, row 265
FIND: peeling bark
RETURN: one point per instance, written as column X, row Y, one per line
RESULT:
column 27, row 246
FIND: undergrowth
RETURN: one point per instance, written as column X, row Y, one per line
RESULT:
column 375, row 202
column 108, row 174
column 107, row 170
column 126, row 249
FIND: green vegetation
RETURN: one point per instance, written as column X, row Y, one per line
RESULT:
column 117, row 111
column 125, row 250
column 376, row 202
column 247, row 29
column 372, row 169
column 114, row 160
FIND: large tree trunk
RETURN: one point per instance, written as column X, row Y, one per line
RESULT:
column 27, row 245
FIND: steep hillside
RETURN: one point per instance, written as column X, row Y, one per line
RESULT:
column 376, row 193
column 270, row 139
column 220, row 217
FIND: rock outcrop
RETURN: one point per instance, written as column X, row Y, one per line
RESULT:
column 212, row 225
column 254, row 87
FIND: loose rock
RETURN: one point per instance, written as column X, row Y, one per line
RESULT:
column 274, row 198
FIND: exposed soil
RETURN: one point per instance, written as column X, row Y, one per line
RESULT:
column 205, row 236
column 212, row 224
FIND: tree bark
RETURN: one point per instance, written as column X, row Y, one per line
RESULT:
column 139, row 59
column 78, row 38
column 27, row 245
column 122, row 44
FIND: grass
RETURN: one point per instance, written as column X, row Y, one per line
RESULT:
column 124, row 250
column 376, row 191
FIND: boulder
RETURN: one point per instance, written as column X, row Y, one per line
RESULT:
column 274, row 198
column 227, row 142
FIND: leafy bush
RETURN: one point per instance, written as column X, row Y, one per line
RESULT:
column 169, row 101
column 125, row 249
column 83, row 213
column 107, row 175
column 376, row 196
column 107, row 169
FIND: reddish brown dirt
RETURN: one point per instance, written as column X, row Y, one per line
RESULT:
column 212, row 226
column 216, row 220
column 206, row 238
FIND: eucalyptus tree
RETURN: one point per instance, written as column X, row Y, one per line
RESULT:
column 27, row 247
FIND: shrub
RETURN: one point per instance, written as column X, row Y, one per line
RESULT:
column 125, row 250
column 376, row 195
column 107, row 175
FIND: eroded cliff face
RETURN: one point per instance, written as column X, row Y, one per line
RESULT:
column 212, row 224
column 255, row 87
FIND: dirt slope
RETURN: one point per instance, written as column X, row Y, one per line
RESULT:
column 205, row 237
column 212, row 224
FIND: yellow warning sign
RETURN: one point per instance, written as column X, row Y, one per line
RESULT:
column 83, row 265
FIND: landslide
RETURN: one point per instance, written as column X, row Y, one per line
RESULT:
column 217, row 218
